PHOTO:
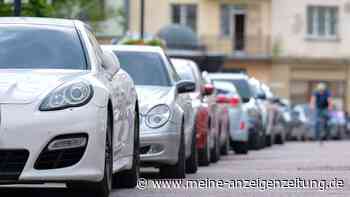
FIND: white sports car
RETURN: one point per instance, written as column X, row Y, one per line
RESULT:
column 69, row 114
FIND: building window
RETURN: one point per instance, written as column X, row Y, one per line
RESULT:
column 322, row 22
column 227, row 18
column 185, row 14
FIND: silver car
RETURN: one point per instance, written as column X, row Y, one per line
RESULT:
column 238, row 120
column 306, row 123
column 249, row 104
column 166, row 127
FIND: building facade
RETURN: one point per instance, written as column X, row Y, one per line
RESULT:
column 290, row 45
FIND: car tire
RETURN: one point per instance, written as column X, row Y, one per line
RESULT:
column 177, row 171
column 279, row 139
column 262, row 141
column 254, row 141
column 204, row 155
column 226, row 147
column 192, row 161
column 104, row 187
column 215, row 152
column 240, row 148
column 268, row 141
column 128, row 178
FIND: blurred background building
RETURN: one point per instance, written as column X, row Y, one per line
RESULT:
column 291, row 45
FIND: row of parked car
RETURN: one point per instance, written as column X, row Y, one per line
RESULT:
column 90, row 116
column 303, row 119
column 190, row 118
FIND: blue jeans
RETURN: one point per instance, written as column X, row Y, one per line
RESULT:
column 321, row 121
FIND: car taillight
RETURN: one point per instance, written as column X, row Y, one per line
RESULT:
column 241, row 125
column 234, row 101
column 222, row 99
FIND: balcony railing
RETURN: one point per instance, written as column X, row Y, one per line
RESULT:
column 253, row 45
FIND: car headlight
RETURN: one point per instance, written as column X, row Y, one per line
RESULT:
column 158, row 116
column 71, row 95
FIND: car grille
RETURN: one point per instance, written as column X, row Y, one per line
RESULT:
column 144, row 149
column 59, row 158
column 12, row 163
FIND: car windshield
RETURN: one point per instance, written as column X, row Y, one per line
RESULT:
column 242, row 87
column 146, row 68
column 40, row 47
column 185, row 72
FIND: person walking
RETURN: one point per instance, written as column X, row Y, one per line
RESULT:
column 321, row 102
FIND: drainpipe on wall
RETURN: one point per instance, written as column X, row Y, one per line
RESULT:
column 127, row 15
column 17, row 7
column 142, row 19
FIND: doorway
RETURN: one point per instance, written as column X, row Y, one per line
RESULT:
column 239, row 20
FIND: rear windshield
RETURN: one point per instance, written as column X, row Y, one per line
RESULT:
column 40, row 47
column 242, row 87
column 225, row 88
column 256, row 90
column 146, row 68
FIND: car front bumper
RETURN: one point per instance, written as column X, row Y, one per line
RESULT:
column 23, row 127
column 160, row 147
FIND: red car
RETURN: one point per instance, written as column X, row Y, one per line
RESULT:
column 211, row 118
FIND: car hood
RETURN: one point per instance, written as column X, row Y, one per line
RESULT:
column 150, row 96
column 20, row 86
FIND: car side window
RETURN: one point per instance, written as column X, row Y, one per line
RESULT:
column 173, row 74
column 96, row 46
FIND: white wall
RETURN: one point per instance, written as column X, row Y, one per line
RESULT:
column 289, row 26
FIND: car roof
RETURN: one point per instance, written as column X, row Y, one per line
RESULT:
column 38, row 21
column 178, row 62
column 228, row 76
column 255, row 81
column 135, row 48
column 182, row 61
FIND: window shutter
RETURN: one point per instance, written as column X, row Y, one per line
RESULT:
column 225, row 25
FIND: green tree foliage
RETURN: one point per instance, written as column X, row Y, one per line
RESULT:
column 5, row 9
column 87, row 10
column 39, row 8
column 91, row 11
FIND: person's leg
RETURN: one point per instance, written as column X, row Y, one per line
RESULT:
column 317, row 125
column 326, row 125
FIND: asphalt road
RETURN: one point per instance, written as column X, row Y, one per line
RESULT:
column 326, row 165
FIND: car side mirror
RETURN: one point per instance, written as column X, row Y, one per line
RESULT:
column 185, row 87
column 110, row 62
column 276, row 100
column 245, row 99
column 208, row 89
column 261, row 96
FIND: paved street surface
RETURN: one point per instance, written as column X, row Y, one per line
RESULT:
column 294, row 160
